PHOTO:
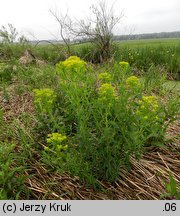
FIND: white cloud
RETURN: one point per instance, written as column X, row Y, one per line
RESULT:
column 140, row 15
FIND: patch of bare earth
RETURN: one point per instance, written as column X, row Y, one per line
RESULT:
column 146, row 179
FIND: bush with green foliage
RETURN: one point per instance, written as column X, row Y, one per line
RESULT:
column 105, row 119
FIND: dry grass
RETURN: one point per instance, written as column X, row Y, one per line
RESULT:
column 145, row 181
column 16, row 104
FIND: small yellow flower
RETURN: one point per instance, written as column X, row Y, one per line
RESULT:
column 56, row 142
column 105, row 77
column 149, row 99
column 132, row 82
column 45, row 98
column 55, row 137
column 145, row 117
column 147, row 108
column 73, row 62
column 107, row 91
column 62, row 148
column 124, row 65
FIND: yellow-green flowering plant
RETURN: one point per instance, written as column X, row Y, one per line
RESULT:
column 105, row 123
column 56, row 142
column 44, row 99
column 107, row 96
column 71, row 67
column 73, row 62
column 55, row 152
column 132, row 82
column 150, row 120
column 107, row 93
column 47, row 114
column 148, row 108
column 121, row 71
column 133, row 85
column 105, row 77
column 124, row 65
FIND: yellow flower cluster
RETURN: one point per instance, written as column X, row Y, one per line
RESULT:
column 149, row 99
column 132, row 82
column 55, row 137
column 73, row 62
column 43, row 92
column 44, row 97
column 124, row 65
column 105, row 77
column 107, row 92
column 56, row 140
column 148, row 108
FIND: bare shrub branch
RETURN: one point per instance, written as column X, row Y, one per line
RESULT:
column 98, row 28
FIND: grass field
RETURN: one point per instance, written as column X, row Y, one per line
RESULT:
column 152, row 42
column 73, row 129
column 144, row 53
column 141, row 54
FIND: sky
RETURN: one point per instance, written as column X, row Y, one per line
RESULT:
column 33, row 19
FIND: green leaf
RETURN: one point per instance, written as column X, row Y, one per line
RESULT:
column 171, row 186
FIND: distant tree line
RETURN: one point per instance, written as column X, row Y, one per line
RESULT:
column 174, row 34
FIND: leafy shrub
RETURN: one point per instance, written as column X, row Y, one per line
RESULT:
column 89, row 52
column 106, row 119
